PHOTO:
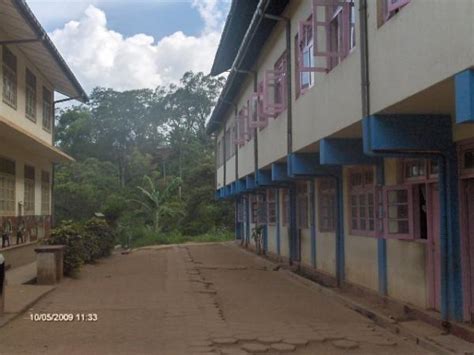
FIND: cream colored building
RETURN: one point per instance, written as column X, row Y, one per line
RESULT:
column 31, row 72
column 345, row 130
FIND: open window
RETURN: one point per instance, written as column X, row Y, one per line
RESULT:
column 388, row 8
column 336, row 20
column 399, row 219
column 257, row 117
column 274, row 88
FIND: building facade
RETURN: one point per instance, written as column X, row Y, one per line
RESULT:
column 31, row 72
column 345, row 130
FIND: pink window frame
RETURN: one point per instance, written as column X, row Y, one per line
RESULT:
column 364, row 189
column 428, row 176
column 329, row 192
column 275, row 78
column 257, row 117
column 334, row 11
column 411, row 235
column 271, row 206
column 389, row 9
column 302, row 195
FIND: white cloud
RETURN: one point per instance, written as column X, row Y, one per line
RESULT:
column 100, row 56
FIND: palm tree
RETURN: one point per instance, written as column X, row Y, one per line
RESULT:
column 156, row 201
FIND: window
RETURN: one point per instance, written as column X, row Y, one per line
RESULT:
column 9, row 68
column 47, row 109
column 388, row 8
column 305, row 63
column 341, row 34
column 399, row 207
column 362, row 201
column 339, row 27
column 29, row 199
column 274, row 88
column 7, row 187
column 285, row 207
column 258, row 209
column 327, row 205
column 30, row 108
column 271, row 206
column 419, row 170
column 302, row 205
column 45, row 193
column 244, row 133
column 257, row 118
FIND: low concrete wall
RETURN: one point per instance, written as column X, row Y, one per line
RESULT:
column 19, row 255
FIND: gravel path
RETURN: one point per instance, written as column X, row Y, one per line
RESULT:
column 194, row 299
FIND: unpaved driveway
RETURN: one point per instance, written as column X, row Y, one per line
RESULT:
column 197, row 299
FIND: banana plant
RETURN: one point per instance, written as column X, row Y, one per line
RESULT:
column 157, row 201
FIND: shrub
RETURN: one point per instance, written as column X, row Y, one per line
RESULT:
column 98, row 229
column 69, row 234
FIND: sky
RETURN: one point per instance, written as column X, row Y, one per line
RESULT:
column 133, row 44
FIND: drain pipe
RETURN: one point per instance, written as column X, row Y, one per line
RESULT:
column 289, row 131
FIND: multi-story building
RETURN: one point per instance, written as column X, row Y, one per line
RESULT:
column 345, row 130
column 32, row 70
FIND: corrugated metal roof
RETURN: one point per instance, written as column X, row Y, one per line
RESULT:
column 257, row 42
column 19, row 23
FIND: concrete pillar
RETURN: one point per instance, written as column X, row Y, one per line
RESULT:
column 49, row 263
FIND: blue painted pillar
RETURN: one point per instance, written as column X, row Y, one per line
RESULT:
column 381, row 242
column 293, row 228
column 265, row 238
column 312, row 196
column 340, row 262
column 237, row 224
column 450, row 243
column 278, row 226
column 247, row 221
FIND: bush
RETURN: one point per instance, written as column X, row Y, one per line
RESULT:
column 104, row 236
column 69, row 234
column 84, row 243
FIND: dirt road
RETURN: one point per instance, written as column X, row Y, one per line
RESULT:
column 214, row 299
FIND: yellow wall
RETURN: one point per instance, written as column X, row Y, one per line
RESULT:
column 406, row 260
column 360, row 251
column 272, row 239
column 425, row 43
column 17, row 116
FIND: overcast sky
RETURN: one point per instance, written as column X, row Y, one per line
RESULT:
column 130, row 44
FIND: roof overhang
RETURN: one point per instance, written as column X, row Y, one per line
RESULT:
column 21, row 27
column 17, row 136
column 233, row 39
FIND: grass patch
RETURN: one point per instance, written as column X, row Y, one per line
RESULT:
column 146, row 237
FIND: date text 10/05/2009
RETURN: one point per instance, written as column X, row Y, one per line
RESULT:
column 64, row 317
